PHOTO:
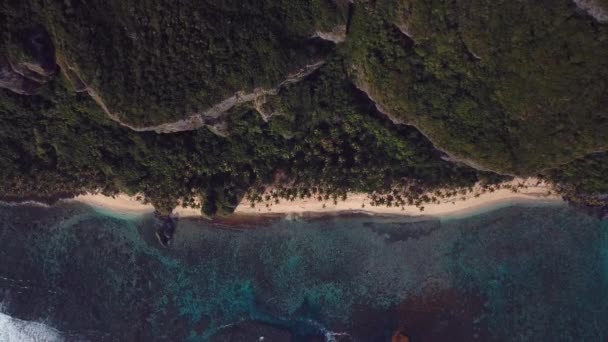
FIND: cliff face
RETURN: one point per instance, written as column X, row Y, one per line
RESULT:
column 14, row 81
column 485, row 88
column 598, row 9
column 30, row 64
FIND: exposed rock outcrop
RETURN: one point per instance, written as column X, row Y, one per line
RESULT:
column 336, row 36
column 15, row 82
column 27, row 73
column 165, row 228
column 364, row 88
column 402, row 22
column 594, row 8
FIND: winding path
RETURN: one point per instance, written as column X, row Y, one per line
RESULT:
column 211, row 117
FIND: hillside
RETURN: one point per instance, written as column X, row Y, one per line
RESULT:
column 214, row 99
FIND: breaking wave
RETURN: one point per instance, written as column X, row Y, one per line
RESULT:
column 18, row 330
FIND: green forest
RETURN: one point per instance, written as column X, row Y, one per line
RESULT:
column 507, row 88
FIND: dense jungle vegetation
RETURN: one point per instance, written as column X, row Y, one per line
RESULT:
column 58, row 142
column 156, row 60
column 519, row 88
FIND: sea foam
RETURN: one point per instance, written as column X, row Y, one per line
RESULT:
column 17, row 330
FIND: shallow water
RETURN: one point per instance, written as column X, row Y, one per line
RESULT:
column 513, row 274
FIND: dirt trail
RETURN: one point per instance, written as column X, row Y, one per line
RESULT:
column 210, row 117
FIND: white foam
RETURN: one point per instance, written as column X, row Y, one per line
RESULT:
column 17, row 330
column 25, row 203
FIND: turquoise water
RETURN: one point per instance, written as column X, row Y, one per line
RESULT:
column 513, row 274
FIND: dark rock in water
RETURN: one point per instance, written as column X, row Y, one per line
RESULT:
column 250, row 331
column 165, row 228
column 400, row 337
column 35, row 65
column 593, row 205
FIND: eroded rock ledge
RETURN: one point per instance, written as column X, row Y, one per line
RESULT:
column 364, row 89
column 26, row 77
column 594, row 9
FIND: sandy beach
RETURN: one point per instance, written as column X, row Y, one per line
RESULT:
column 125, row 204
column 529, row 191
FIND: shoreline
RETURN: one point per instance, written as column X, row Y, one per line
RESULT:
column 471, row 203
column 530, row 191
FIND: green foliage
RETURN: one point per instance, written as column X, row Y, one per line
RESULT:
column 516, row 86
column 586, row 176
column 153, row 61
column 60, row 143
column 336, row 129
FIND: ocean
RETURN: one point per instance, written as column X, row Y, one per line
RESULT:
column 520, row 273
